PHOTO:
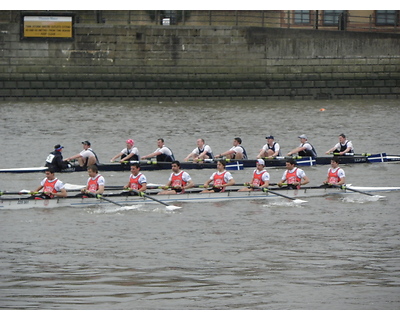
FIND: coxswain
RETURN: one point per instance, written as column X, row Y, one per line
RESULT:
column 55, row 159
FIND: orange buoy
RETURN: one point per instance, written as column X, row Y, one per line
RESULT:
column 322, row 109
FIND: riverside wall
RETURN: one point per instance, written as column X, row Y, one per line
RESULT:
column 177, row 62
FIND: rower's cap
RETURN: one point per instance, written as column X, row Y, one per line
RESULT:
column 130, row 141
column 269, row 137
column 58, row 147
column 303, row 136
column 261, row 161
column 86, row 142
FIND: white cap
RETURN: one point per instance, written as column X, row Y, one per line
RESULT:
column 303, row 136
column 261, row 161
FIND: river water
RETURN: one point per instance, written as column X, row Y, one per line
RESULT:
column 329, row 253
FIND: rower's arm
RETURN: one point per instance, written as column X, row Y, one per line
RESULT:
column 305, row 180
column 62, row 193
column 151, row 155
column 230, row 182
column 190, row 184
column 116, row 156
column 296, row 150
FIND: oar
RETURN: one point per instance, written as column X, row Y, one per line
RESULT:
column 142, row 194
column 18, row 192
column 352, row 154
column 355, row 190
column 99, row 196
column 281, row 195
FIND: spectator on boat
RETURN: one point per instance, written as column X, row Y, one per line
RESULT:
column 127, row 154
column 221, row 179
column 237, row 152
column 55, row 159
column 86, row 157
column 343, row 147
column 336, row 175
column 260, row 177
column 52, row 187
column 179, row 180
column 270, row 149
column 137, row 180
column 162, row 153
column 293, row 176
column 95, row 184
column 305, row 148
column 203, row 151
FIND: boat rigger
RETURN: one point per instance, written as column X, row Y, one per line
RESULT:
column 147, row 165
column 23, row 202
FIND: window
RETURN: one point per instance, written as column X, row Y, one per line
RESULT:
column 386, row 17
column 331, row 17
column 301, row 16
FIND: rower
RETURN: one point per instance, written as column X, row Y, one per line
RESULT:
column 162, row 153
column 179, row 180
column 293, row 176
column 221, row 179
column 95, row 183
column 343, row 147
column 137, row 181
column 127, row 154
column 203, row 151
column 304, row 149
column 237, row 152
column 260, row 177
column 336, row 175
column 86, row 157
column 52, row 187
column 270, row 149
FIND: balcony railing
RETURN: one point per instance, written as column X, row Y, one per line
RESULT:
column 340, row 20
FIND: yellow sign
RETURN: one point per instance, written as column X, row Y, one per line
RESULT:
column 47, row 27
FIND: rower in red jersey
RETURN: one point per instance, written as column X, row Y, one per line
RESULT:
column 95, row 183
column 221, row 179
column 293, row 176
column 137, row 180
column 260, row 177
column 179, row 180
column 336, row 175
column 52, row 187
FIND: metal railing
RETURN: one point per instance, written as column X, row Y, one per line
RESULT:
column 352, row 20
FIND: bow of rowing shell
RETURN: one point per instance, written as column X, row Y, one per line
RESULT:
column 231, row 164
column 195, row 196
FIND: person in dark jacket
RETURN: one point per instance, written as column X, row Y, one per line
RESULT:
column 55, row 159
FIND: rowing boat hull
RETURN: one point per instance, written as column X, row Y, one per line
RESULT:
column 26, row 203
column 231, row 165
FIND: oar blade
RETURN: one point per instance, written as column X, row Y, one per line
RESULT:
column 172, row 208
column 299, row 201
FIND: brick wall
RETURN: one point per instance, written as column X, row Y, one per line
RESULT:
column 171, row 62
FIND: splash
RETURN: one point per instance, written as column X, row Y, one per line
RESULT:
column 362, row 198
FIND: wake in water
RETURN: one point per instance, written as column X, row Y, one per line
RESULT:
column 359, row 198
column 129, row 209
column 282, row 203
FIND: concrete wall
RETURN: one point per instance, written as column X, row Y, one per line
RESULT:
column 170, row 62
